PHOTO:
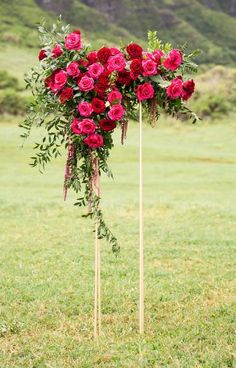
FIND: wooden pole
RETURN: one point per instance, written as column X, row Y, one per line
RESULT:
column 97, row 280
column 141, row 252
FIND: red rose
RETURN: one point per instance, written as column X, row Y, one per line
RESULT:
column 73, row 41
column 73, row 69
column 188, row 89
column 102, row 85
column 42, row 55
column 86, row 84
column 107, row 125
column 57, row 51
column 83, row 62
column 100, row 89
column 116, row 112
column 145, row 91
column 98, row 105
column 94, row 140
column 136, row 68
column 175, row 89
column 103, row 54
column 124, row 78
column 66, row 94
column 134, row 51
column 173, row 61
column 104, row 80
column 92, row 57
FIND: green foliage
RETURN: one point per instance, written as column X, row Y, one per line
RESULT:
column 154, row 43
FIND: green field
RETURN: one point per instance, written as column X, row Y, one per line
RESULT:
column 47, row 256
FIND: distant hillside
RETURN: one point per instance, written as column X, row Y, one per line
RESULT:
column 206, row 24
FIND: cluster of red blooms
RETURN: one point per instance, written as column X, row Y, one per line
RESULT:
column 102, row 78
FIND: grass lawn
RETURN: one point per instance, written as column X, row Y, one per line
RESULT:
column 47, row 256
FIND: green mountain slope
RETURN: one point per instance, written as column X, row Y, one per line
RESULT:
column 19, row 21
column 206, row 24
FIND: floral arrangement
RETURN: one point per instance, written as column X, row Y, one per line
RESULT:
column 82, row 96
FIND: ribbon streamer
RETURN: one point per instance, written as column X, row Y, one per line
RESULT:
column 124, row 127
column 70, row 155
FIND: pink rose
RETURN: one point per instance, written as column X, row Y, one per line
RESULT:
column 75, row 126
column 95, row 70
column 94, row 140
column 145, row 91
column 149, row 67
column 73, row 41
column 73, row 69
column 157, row 55
column 116, row 62
column 60, row 79
column 85, row 126
column 57, row 51
column 86, row 84
column 116, row 112
column 188, row 89
column 173, row 61
column 85, row 108
column 114, row 97
column 175, row 89
column 146, row 55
